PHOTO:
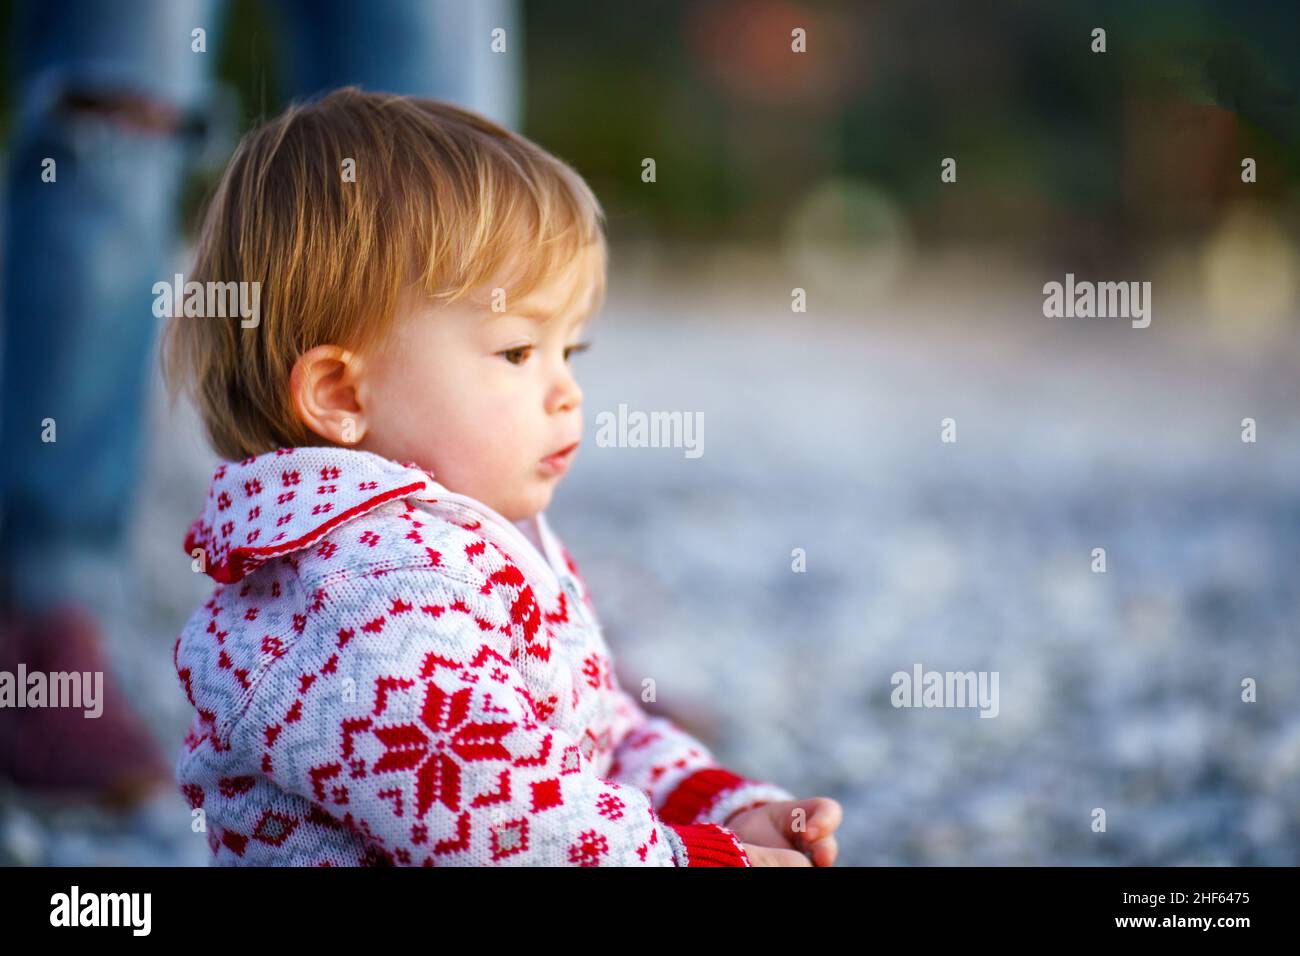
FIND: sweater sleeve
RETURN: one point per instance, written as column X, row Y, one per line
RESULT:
column 686, row 784
column 419, row 733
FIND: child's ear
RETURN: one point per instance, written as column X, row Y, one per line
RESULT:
column 323, row 387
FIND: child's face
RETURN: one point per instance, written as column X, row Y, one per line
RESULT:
column 481, row 399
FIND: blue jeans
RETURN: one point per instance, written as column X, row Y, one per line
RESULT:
column 82, row 253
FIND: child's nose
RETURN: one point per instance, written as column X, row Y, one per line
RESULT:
column 567, row 395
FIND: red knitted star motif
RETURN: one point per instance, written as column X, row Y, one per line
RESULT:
column 437, row 778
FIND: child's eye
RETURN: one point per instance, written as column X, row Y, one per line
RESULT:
column 518, row 355
column 572, row 349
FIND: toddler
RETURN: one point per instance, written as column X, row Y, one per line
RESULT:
column 400, row 663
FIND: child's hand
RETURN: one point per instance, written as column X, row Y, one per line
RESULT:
column 772, row 826
column 769, row 856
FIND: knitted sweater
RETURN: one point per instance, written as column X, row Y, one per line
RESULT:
column 388, row 673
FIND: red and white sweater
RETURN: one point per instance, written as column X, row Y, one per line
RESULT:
column 392, row 674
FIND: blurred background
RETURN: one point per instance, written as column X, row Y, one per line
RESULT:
column 820, row 171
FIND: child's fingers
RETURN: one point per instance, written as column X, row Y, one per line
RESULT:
column 773, row 856
column 823, row 852
column 820, row 817
column 824, row 818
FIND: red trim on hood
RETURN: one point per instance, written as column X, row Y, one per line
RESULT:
column 242, row 560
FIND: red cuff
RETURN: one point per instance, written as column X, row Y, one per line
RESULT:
column 708, row 844
column 697, row 792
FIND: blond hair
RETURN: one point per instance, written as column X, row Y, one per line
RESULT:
column 443, row 200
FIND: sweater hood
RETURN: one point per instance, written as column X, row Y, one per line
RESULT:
column 279, row 502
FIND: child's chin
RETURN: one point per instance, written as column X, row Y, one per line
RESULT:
column 527, row 505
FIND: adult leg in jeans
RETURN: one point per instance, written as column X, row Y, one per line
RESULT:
column 435, row 48
column 108, row 93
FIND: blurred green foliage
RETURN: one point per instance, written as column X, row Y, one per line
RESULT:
column 1045, row 131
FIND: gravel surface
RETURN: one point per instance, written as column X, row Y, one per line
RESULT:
column 1119, row 691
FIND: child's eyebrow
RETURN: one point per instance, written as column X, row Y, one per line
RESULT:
column 538, row 316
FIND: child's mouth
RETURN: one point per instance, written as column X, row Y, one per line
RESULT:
column 558, row 463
